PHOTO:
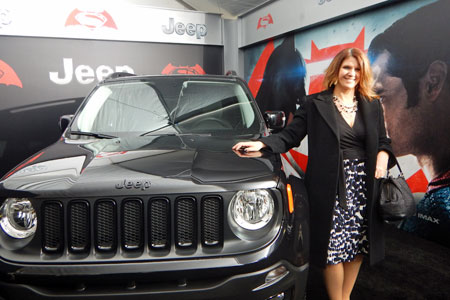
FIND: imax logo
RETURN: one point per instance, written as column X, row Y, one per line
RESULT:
column 428, row 218
column 85, row 74
column 199, row 30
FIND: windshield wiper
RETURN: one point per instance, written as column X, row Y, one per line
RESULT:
column 158, row 129
column 192, row 133
column 94, row 134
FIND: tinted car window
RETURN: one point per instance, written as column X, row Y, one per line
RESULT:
column 116, row 108
column 213, row 107
column 178, row 106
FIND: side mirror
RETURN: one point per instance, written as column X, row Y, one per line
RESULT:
column 275, row 119
column 64, row 121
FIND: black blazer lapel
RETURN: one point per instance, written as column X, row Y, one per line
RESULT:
column 369, row 115
column 325, row 106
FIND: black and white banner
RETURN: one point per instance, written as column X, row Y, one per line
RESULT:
column 108, row 20
column 44, row 78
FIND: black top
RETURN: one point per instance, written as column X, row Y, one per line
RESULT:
column 352, row 139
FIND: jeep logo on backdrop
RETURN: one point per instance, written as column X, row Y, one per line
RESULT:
column 85, row 74
column 199, row 30
column 323, row 1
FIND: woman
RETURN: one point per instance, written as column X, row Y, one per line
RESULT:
column 348, row 149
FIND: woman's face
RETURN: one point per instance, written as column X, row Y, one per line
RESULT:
column 349, row 74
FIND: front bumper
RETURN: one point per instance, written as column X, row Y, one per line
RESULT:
column 252, row 285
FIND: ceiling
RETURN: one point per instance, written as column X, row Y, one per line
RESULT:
column 227, row 8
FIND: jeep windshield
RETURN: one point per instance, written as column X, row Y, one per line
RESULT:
column 167, row 105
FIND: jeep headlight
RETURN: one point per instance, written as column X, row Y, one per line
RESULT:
column 18, row 218
column 252, row 209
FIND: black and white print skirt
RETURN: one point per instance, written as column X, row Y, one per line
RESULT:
column 348, row 236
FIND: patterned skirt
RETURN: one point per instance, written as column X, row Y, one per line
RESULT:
column 348, row 236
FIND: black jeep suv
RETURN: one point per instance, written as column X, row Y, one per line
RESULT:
column 142, row 197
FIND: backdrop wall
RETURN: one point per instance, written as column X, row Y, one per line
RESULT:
column 410, row 53
column 45, row 71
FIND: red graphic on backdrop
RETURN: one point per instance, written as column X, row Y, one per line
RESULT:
column 171, row 69
column 90, row 19
column 417, row 182
column 8, row 76
column 263, row 22
column 300, row 158
column 317, row 55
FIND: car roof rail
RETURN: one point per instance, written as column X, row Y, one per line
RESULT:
column 118, row 75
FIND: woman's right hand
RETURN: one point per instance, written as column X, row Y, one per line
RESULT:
column 249, row 146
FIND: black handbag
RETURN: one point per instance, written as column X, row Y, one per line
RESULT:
column 396, row 201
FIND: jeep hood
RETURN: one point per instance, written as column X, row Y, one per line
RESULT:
column 168, row 163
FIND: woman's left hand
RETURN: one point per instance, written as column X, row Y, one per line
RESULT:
column 382, row 163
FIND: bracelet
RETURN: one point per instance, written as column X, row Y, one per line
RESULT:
column 380, row 168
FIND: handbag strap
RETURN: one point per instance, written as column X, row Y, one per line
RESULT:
column 398, row 166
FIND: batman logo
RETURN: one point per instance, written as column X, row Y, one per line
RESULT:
column 8, row 76
column 171, row 69
column 263, row 22
column 90, row 19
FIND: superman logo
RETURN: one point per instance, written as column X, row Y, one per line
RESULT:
column 90, row 19
column 263, row 22
column 171, row 69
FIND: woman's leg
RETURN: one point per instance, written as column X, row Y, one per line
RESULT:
column 340, row 278
column 334, row 280
column 351, row 270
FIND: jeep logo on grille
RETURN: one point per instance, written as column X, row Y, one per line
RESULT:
column 133, row 184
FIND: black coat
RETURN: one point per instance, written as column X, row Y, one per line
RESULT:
column 317, row 119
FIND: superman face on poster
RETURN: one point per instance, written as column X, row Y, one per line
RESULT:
column 410, row 52
column 411, row 60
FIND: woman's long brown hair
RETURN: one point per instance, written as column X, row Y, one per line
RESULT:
column 365, row 85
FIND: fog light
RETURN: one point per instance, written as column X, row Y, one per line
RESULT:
column 276, row 274
column 18, row 218
column 252, row 209
column 273, row 277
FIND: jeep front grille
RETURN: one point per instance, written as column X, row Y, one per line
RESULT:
column 211, row 221
column 159, row 231
column 53, row 227
column 105, row 225
column 79, row 232
column 133, row 224
column 185, row 214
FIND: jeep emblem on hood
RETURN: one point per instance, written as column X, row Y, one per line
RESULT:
column 133, row 184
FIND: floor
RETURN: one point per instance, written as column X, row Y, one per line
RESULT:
column 414, row 269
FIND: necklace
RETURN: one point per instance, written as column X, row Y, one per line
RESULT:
column 346, row 109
